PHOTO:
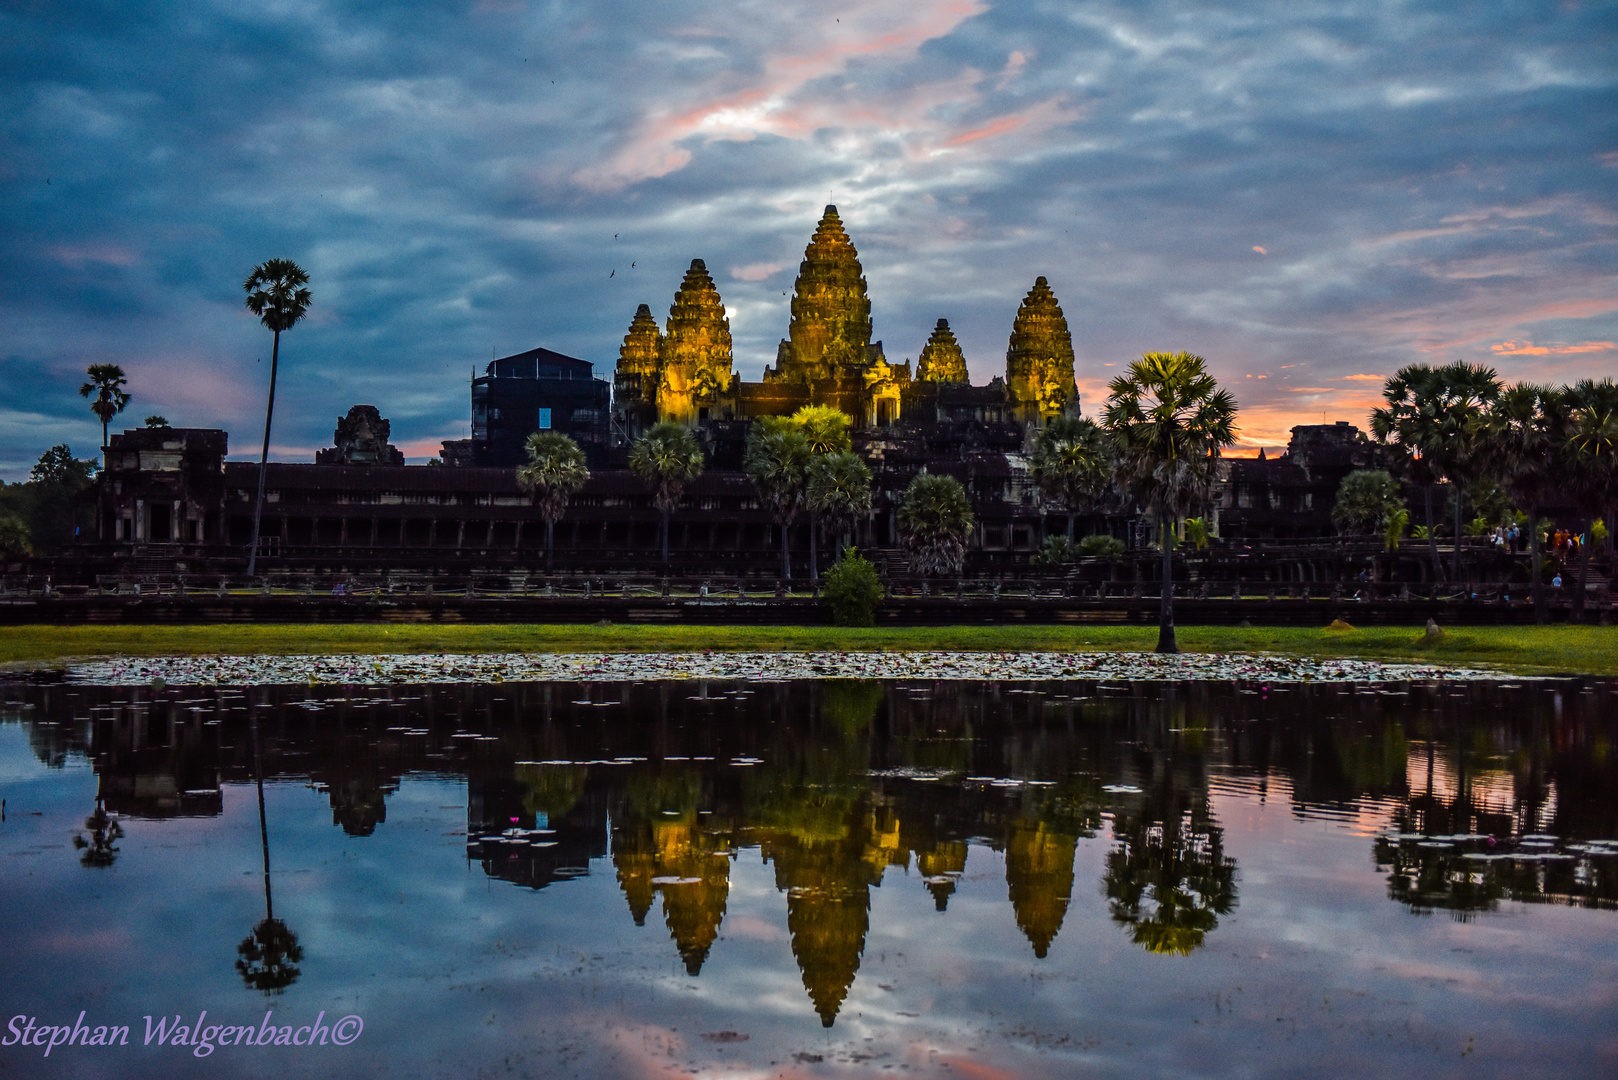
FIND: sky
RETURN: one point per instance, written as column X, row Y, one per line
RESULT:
column 1311, row 195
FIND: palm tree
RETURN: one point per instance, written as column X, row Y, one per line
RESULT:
column 1592, row 464
column 1522, row 435
column 1468, row 390
column 106, row 387
column 1071, row 464
column 935, row 518
column 777, row 454
column 838, row 493
column 1431, row 423
column 554, row 473
column 1168, row 421
column 826, row 429
column 276, row 294
column 667, row 457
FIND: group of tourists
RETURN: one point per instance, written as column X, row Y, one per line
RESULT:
column 1507, row 536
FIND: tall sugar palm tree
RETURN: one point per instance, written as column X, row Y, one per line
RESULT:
column 1591, row 455
column 1431, row 423
column 775, row 459
column 1468, row 390
column 554, row 473
column 826, row 429
column 276, row 294
column 667, row 457
column 106, row 392
column 1523, row 433
column 1072, row 464
column 838, row 493
column 934, row 519
column 1169, row 421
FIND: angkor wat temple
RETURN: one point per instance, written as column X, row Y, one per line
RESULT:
column 168, row 494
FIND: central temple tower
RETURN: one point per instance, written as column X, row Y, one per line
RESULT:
column 830, row 335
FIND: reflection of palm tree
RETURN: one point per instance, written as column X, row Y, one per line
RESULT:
column 270, row 951
column 1169, row 878
column 267, row 957
column 100, row 850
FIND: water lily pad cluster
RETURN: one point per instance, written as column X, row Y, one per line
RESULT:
column 383, row 670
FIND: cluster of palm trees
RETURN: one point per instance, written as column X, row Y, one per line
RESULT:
column 806, row 462
column 1458, row 424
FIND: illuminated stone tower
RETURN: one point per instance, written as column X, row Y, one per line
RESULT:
column 830, row 334
column 635, row 379
column 1039, row 359
column 941, row 359
column 696, row 357
column 643, row 346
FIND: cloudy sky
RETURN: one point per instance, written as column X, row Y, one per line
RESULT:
column 1308, row 194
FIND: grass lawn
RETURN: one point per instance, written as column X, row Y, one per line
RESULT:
column 1573, row 649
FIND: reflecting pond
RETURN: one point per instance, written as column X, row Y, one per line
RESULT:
column 811, row 878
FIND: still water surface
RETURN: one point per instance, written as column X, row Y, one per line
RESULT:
column 830, row 878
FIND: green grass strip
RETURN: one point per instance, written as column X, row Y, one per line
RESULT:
column 1591, row 650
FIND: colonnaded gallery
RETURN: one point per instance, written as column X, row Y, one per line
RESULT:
column 168, row 496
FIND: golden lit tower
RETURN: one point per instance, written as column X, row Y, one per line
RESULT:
column 635, row 379
column 941, row 359
column 696, row 349
column 642, row 348
column 831, row 315
column 1039, row 359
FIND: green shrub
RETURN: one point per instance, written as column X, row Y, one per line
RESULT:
column 852, row 590
column 1101, row 547
column 1055, row 551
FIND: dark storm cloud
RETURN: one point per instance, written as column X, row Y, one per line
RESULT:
column 1426, row 182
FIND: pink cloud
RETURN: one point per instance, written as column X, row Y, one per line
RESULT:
column 1261, row 251
column 1528, row 348
column 994, row 127
column 1363, row 377
column 754, row 271
column 777, row 101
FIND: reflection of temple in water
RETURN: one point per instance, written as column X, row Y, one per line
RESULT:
column 845, row 787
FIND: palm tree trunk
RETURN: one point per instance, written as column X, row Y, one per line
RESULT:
column 1536, row 586
column 786, row 552
column 1165, row 618
column 1432, row 538
column 550, row 543
column 665, row 539
column 264, row 458
column 1457, row 532
column 814, row 547
column 1070, row 526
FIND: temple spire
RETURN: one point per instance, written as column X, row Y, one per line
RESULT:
column 696, row 358
column 941, row 359
column 831, row 315
column 1039, row 357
